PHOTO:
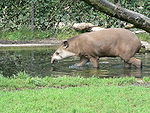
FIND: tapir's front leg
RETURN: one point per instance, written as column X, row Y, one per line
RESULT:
column 83, row 61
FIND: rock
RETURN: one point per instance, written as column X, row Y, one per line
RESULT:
column 128, row 26
column 139, row 80
column 60, row 25
column 83, row 26
column 146, row 45
column 87, row 26
column 141, row 7
column 136, row 32
column 97, row 28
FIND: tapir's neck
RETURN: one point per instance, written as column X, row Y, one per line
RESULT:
column 73, row 47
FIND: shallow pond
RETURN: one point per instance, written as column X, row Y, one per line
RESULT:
column 36, row 62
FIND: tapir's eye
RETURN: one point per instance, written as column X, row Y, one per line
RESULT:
column 57, row 53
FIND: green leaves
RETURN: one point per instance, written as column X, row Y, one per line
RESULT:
column 48, row 13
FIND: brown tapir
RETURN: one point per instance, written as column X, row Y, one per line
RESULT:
column 112, row 42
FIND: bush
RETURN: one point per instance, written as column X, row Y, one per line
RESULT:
column 47, row 14
column 38, row 19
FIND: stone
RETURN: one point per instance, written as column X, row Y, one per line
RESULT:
column 146, row 45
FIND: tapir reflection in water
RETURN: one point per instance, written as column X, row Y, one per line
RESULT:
column 112, row 42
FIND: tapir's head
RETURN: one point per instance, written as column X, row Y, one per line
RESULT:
column 62, row 52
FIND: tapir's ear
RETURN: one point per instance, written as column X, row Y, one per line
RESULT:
column 65, row 44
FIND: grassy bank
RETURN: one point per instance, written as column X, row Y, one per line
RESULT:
column 23, row 93
column 144, row 36
column 26, row 34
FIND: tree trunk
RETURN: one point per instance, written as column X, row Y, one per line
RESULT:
column 32, row 16
column 139, row 20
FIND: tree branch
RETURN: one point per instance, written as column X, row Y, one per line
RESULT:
column 139, row 20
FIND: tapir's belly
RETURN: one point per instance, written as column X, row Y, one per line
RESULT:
column 104, row 49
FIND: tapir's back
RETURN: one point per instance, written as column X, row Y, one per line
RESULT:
column 111, row 33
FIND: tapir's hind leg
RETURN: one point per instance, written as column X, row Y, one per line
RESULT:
column 136, row 62
column 129, row 59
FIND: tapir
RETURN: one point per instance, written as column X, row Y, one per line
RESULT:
column 91, row 46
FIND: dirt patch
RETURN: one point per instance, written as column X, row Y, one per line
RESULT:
column 41, row 87
column 147, row 84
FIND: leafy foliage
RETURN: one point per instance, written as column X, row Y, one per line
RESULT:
column 54, row 14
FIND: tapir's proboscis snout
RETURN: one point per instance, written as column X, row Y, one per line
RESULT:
column 112, row 42
column 52, row 61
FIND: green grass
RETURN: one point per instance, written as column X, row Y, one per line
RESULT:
column 28, row 34
column 24, row 34
column 144, row 36
column 110, row 99
column 64, row 33
column 25, row 94
column 24, row 81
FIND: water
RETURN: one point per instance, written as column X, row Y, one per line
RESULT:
column 36, row 62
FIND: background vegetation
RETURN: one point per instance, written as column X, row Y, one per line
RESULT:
column 32, row 19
